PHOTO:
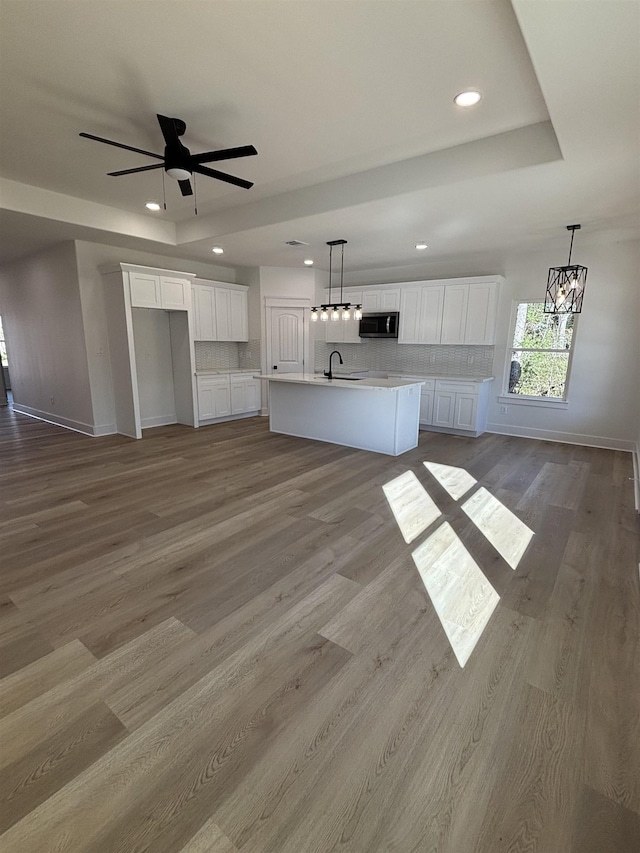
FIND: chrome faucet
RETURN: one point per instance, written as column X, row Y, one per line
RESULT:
column 328, row 373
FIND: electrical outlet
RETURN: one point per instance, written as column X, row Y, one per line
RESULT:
column 470, row 359
column 53, row 400
column 503, row 410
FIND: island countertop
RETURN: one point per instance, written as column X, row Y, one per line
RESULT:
column 376, row 384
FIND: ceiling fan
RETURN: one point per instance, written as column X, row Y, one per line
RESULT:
column 178, row 162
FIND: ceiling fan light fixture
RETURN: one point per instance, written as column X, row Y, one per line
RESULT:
column 178, row 173
column 469, row 98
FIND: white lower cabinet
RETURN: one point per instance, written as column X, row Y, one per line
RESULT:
column 245, row 394
column 223, row 395
column 452, row 405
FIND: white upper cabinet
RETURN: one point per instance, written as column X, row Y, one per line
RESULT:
column 220, row 312
column 460, row 312
column 421, row 314
column 158, row 291
column 454, row 315
column 378, row 299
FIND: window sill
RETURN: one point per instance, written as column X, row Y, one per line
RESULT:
column 541, row 402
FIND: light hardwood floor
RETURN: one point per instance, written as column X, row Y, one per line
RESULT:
column 217, row 640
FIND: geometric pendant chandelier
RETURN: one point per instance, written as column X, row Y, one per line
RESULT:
column 565, row 285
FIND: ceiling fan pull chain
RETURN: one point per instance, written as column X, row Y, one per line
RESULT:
column 164, row 192
column 195, row 195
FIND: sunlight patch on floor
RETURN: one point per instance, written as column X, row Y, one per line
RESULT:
column 456, row 481
column 410, row 504
column 508, row 535
column 461, row 595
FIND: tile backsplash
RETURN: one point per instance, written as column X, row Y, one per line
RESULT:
column 218, row 355
column 412, row 359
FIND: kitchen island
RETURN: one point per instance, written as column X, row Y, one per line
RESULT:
column 370, row 414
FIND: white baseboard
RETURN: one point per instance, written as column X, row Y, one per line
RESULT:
column 160, row 420
column 636, row 476
column 66, row 423
column 563, row 437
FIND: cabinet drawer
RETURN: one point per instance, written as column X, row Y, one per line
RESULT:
column 457, row 387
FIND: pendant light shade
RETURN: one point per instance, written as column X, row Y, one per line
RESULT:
column 336, row 310
column 565, row 285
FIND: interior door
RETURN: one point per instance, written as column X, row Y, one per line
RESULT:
column 286, row 351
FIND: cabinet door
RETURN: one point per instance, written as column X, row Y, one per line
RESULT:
column 431, row 304
column 204, row 313
column 466, row 410
column 389, row 300
column 481, row 314
column 444, row 408
column 238, row 396
column 454, row 315
column 410, row 316
column 206, row 402
column 174, row 293
column 145, row 290
column 252, row 395
column 371, row 301
column 222, row 399
column 334, row 331
column 239, row 315
column 223, row 314
column 426, row 407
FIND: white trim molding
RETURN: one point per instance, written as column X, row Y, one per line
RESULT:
column 66, row 423
column 564, row 437
column 636, row 476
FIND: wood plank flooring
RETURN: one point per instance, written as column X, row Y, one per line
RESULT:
column 217, row 641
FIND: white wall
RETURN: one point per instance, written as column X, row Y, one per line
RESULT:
column 604, row 384
column 42, row 314
column 154, row 366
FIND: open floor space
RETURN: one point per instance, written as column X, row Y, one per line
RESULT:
column 219, row 640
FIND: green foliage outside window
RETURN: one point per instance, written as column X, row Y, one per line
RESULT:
column 540, row 356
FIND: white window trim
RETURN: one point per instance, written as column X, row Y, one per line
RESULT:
column 523, row 399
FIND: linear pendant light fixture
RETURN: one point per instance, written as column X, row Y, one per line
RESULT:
column 565, row 285
column 336, row 310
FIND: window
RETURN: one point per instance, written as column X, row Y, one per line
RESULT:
column 3, row 347
column 541, row 353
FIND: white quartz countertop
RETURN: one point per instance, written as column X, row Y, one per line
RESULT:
column 378, row 384
column 225, row 370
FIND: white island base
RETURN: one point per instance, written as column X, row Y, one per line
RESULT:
column 372, row 414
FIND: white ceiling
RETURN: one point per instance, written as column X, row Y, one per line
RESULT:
column 350, row 105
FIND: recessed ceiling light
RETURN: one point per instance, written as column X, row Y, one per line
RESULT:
column 468, row 98
column 152, row 205
column 217, row 250
column 421, row 246
column 308, row 262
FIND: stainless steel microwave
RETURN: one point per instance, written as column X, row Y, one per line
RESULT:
column 381, row 324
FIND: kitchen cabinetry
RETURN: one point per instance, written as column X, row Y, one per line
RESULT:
column 421, row 314
column 220, row 312
column 460, row 406
column 469, row 314
column 344, row 331
column 380, row 300
column 223, row 395
column 453, row 405
column 245, row 394
column 159, row 291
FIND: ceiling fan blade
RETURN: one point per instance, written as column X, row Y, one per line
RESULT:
column 120, row 145
column 224, row 154
column 222, row 176
column 139, row 169
column 169, row 129
column 185, row 187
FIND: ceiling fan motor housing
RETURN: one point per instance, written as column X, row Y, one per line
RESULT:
column 176, row 162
